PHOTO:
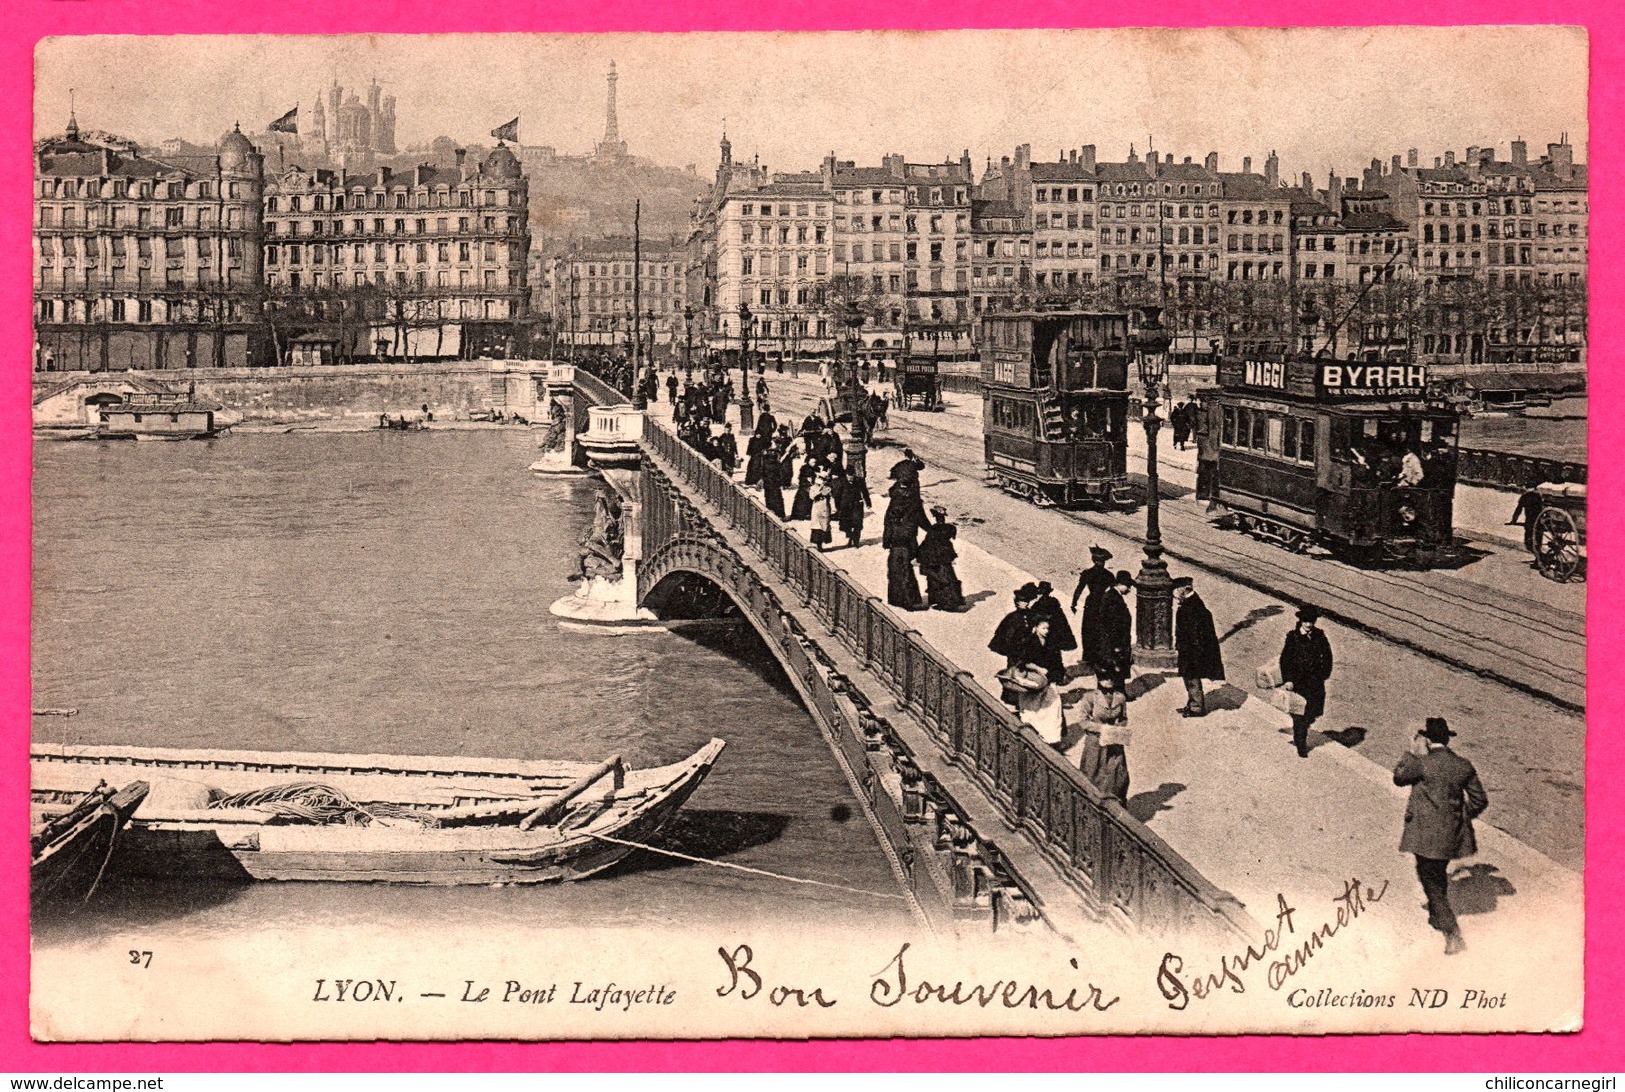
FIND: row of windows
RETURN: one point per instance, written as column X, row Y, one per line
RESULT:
column 174, row 276
column 1132, row 189
column 442, row 226
column 932, row 195
column 654, row 287
column 1278, row 435
column 174, row 247
column 747, row 233
column 122, row 188
column 146, row 216
column 381, row 280
column 402, row 200
column 910, row 223
column 420, row 253
column 1057, row 220
column 1018, row 417
column 909, row 251
column 748, row 265
column 1054, row 194
column 121, row 311
column 784, row 210
column 1167, row 212
column 619, row 269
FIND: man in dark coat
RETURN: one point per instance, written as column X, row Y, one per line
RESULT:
column 1060, row 630
column 1306, row 664
column 850, row 500
column 671, row 388
column 727, row 448
column 1108, row 646
column 1010, row 639
column 1446, row 796
column 1198, row 645
column 937, row 556
column 907, row 469
column 905, row 519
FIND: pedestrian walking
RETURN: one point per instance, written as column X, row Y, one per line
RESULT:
column 905, row 519
column 1104, row 759
column 671, row 388
column 1108, row 644
column 727, row 449
column 1060, row 630
column 937, row 554
column 1197, row 643
column 1013, row 628
column 1092, row 581
column 907, row 469
column 851, row 500
column 1036, row 701
column 801, row 504
column 821, row 509
column 1446, row 796
column 1179, row 419
column 1306, row 664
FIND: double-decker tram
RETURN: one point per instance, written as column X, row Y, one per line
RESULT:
column 1352, row 456
column 1055, row 405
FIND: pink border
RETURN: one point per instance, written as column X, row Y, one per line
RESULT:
column 1599, row 1047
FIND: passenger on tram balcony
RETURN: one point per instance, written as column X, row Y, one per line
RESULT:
column 1411, row 472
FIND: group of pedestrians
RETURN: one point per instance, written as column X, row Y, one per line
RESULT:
column 935, row 554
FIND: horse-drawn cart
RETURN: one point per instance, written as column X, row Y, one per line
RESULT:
column 1558, row 537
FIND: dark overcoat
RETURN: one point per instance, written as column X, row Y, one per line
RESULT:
column 1049, row 608
column 1197, row 641
column 1108, row 644
column 905, row 519
column 1306, row 663
column 1011, row 636
column 1446, row 797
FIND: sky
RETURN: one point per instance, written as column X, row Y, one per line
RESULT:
column 1320, row 98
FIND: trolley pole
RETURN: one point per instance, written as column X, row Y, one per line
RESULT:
column 1154, row 590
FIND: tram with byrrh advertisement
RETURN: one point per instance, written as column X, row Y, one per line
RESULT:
column 1352, row 456
column 1055, row 406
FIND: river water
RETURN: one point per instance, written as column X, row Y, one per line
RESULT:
column 388, row 592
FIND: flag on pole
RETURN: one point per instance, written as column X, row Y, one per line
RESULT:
column 287, row 123
column 509, row 131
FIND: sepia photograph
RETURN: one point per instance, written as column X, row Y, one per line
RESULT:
column 801, row 535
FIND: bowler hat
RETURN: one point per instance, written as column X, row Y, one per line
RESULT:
column 1045, row 587
column 1183, row 582
column 938, row 510
column 1027, row 591
column 1437, row 730
column 1124, row 577
column 1308, row 614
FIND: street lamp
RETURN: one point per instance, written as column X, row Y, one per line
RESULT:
column 746, row 416
column 857, row 434
column 688, row 344
column 1309, row 319
column 1154, row 590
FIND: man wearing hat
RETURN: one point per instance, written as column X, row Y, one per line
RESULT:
column 1446, row 796
column 1198, row 645
column 1009, row 640
column 1306, row 664
column 1108, row 646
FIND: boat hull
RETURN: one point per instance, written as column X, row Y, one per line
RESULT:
column 193, row 845
column 64, row 873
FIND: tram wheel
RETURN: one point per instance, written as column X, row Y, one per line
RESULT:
column 1557, row 545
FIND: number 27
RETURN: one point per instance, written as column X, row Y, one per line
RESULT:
column 140, row 959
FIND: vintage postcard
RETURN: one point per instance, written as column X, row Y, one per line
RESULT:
column 800, row 535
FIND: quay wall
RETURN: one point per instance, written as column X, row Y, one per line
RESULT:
column 294, row 395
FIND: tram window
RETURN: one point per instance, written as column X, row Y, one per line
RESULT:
column 1242, row 426
column 1289, row 438
column 1306, row 441
column 1227, row 434
column 1273, row 440
column 1260, row 424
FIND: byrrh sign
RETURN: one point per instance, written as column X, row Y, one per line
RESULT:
column 1350, row 379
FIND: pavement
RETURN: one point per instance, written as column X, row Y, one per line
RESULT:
column 1231, row 795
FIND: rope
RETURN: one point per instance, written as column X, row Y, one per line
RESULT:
column 744, row 868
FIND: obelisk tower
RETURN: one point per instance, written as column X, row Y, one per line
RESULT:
column 611, row 146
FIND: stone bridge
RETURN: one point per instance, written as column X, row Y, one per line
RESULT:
column 982, row 820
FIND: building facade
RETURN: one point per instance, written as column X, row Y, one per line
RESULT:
column 592, row 298
column 142, row 262
column 427, row 263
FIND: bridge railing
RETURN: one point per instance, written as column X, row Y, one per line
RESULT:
column 1093, row 839
column 597, row 391
column 1505, row 470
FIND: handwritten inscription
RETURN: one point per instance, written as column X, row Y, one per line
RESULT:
column 1177, row 989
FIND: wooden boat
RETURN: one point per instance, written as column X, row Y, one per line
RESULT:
column 271, row 815
column 72, row 844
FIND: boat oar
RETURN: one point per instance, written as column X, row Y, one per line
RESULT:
column 551, row 809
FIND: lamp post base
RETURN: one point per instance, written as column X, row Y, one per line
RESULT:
column 1154, row 616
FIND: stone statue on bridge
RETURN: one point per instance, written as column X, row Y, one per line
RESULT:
column 603, row 546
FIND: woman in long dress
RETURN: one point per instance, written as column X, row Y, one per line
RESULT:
column 801, row 505
column 821, row 506
column 1104, row 760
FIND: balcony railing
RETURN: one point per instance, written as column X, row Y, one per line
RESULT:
column 1092, row 839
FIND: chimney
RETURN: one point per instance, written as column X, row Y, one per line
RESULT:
column 1272, row 170
column 1087, row 157
column 1307, row 183
column 1561, row 158
column 462, row 154
column 1212, row 162
column 964, row 164
column 1450, row 158
column 1410, row 158
column 1246, row 164
column 1395, row 169
column 1437, row 162
column 1334, row 191
column 1133, row 157
column 1520, row 153
column 1024, row 156
column 1187, row 161
column 1072, row 157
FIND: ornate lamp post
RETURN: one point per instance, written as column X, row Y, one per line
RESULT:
column 747, row 417
column 1309, row 319
column 688, row 344
column 1154, row 592
column 857, row 434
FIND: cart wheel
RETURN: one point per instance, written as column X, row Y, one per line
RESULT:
column 1557, row 545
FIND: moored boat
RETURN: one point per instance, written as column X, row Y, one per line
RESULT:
column 71, row 844
column 376, row 818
